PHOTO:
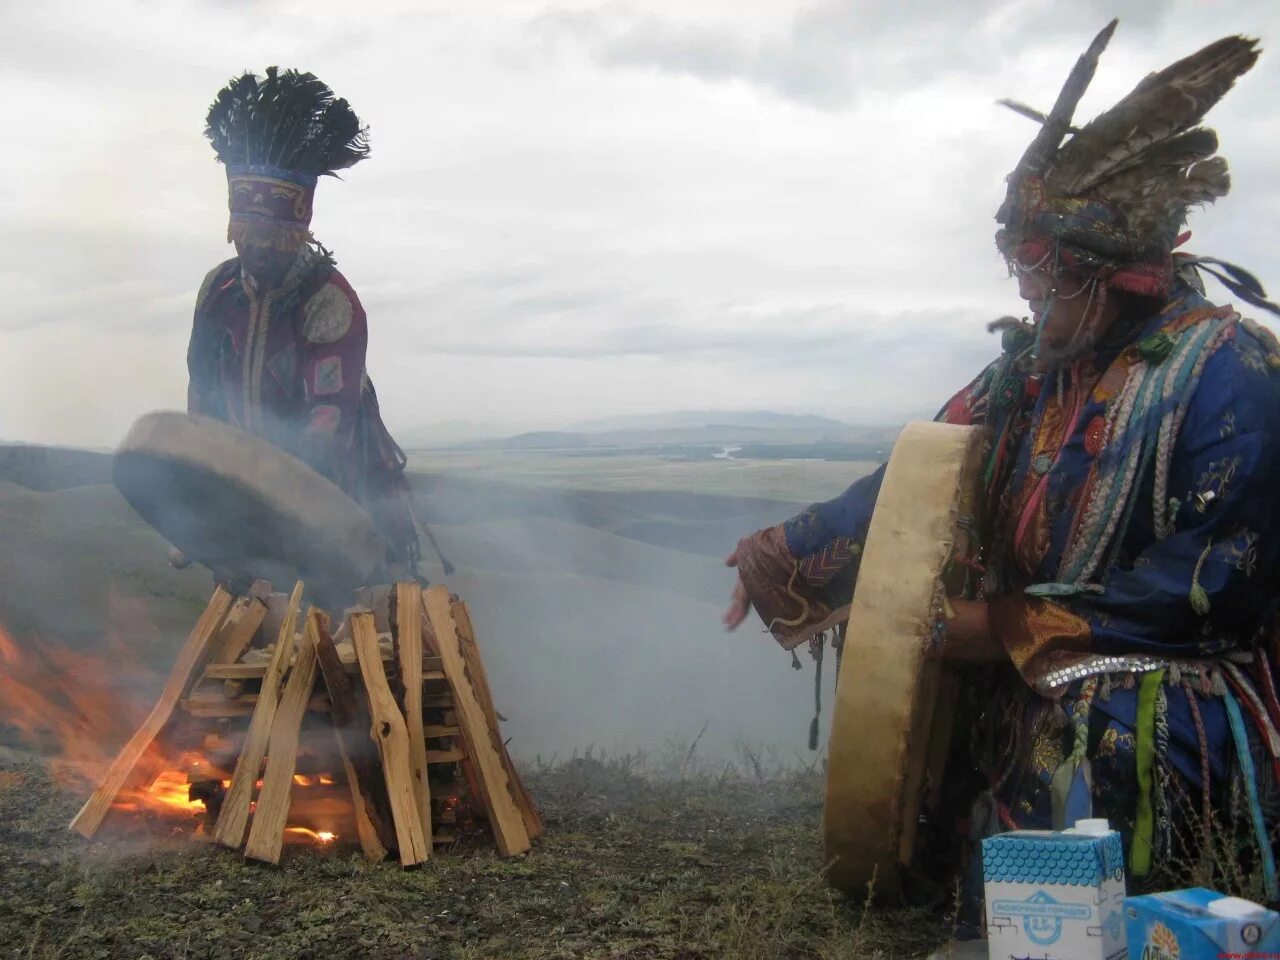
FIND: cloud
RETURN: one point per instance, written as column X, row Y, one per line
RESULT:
column 595, row 208
column 829, row 53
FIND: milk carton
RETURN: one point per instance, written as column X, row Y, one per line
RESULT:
column 1199, row 924
column 1056, row 896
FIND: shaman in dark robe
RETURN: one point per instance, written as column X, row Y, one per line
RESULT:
column 279, row 336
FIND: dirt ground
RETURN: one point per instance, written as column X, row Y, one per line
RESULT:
column 636, row 865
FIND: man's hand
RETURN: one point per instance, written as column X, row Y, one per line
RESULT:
column 969, row 635
column 177, row 560
column 740, row 604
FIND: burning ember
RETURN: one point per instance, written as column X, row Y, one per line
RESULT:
column 318, row 836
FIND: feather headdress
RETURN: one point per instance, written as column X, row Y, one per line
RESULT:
column 1115, row 194
column 277, row 135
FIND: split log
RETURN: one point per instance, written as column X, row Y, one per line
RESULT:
column 378, row 601
column 335, row 677
column 392, row 738
column 360, row 777
column 409, row 621
column 278, row 606
column 504, row 816
column 480, row 681
column 234, row 638
column 235, row 807
column 446, row 756
column 181, row 678
column 366, row 827
column 266, row 834
column 242, row 707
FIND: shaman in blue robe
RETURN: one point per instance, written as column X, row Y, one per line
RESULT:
column 1131, row 558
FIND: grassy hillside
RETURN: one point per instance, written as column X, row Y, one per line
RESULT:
column 637, row 864
column 668, row 757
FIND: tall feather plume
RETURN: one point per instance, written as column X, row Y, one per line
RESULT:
column 1031, row 113
column 1041, row 151
column 1162, row 106
column 287, row 119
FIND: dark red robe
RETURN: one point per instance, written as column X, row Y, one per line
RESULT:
column 289, row 366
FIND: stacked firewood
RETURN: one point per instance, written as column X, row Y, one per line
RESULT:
column 290, row 727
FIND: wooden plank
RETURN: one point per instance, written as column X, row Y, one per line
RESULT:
column 341, row 695
column 446, row 756
column 258, row 668
column 234, row 816
column 391, row 736
column 366, row 830
column 181, row 678
column 277, row 609
column 234, row 639
column 409, row 621
column 377, row 599
column 433, row 731
column 345, row 709
column 504, row 816
column 480, row 680
column 240, row 707
column 238, row 606
column 236, row 671
column 266, row 833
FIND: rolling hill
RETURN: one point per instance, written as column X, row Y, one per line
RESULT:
column 598, row 609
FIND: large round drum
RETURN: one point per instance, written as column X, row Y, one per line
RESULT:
column 241, row 506
column 889, row 733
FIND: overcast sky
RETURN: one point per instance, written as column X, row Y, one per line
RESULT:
column 574, row 210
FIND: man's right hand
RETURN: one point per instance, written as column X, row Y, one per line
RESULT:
column 177, row 560
column 740, row 604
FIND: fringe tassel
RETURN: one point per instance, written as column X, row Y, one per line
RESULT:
column 1218, row 684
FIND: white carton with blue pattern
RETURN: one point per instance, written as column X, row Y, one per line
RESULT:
column 1055, row 896
column 1199, row 924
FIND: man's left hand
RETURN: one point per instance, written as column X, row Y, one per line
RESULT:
column 969, row 634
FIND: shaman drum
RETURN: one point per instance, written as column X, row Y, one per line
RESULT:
column 891, row 724
column 243, row 507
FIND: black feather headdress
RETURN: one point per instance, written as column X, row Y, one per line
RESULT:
column 277, row 135
column 1115, row 195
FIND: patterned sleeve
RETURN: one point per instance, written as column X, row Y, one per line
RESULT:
column 800, row 574
column 1202, row 586
column 334, row 338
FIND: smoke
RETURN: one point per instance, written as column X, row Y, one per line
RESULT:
column 598, row 612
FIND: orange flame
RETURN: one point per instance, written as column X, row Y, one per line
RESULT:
column 69, row 705
column 318, row 836
column 76, row 708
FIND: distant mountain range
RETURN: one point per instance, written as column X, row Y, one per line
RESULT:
column 686, row 428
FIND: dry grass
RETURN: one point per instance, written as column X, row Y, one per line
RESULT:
column 639, row 863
